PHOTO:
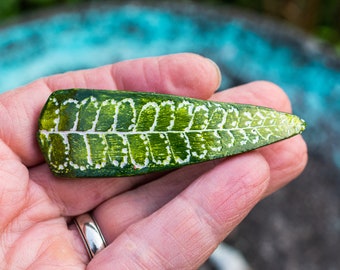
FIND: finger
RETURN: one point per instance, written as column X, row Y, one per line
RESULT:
column 183, row 74
column 260, row 93
column 286, row 159
column 183, row 233
column 136, row 204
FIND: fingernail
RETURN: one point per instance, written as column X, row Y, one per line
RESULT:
column 218, row 72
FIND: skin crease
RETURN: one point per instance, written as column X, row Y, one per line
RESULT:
column 168, row 220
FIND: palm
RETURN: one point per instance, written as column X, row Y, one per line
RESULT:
column 36, row 233
column 147, row 223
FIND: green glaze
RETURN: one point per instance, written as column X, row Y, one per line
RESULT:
column 104, row 133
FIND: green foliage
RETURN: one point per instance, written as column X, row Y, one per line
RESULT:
column 12, row 8
column 320, row 18
column 9, row 8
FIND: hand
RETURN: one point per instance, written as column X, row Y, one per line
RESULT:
column 156, row 221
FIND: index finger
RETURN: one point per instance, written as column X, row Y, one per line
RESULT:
column 181, row 74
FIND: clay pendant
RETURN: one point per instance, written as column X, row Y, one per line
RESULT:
column 109, row 133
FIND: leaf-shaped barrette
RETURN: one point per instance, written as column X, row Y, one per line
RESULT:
column 103, row 133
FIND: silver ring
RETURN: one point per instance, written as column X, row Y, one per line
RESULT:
column 90, row 233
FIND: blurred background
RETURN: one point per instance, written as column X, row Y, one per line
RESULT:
column 295, row 44
column 321, row 18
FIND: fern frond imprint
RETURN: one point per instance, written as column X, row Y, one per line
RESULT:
column 103, row 133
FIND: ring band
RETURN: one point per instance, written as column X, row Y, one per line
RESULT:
column 90, row 233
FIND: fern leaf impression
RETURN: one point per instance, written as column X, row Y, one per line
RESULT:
column 109, row 133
